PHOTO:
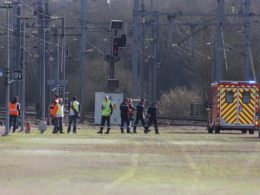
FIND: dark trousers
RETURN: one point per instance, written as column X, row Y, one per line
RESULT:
column 12, row 122
column 141, row 118
column 125, row 120
column 153, row 120
column 58, row 125
column 72, row 119
column 105, row 119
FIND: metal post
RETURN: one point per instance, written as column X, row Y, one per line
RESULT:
column 7, row 117
column 44, row 77
column 247, row 26
column 142, row 53
column 40, row 13
column 63, row 53
column 58, row 56
column 220, row 47
column 153, row 59
column 18, row 46
column 23, row 80
column 83, row 54
column 135, row 53
column 112, row 69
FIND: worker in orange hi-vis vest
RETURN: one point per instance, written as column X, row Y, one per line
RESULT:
column 52, row 110
column 14, row 112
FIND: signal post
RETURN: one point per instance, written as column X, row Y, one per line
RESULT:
column 117, row 41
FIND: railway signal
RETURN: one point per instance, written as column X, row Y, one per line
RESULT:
column 115, row 49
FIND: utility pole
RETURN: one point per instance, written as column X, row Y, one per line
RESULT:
column 40, row 13
column 23, row 79
column 218, row 74
column 8, row 5
column 142, row 52
column 83, row 53
column 153, row 59
column 63, row 53
column 247, row 26
column 18, row 45
column 135, row 52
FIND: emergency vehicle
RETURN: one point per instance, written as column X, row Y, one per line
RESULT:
column 234, row 105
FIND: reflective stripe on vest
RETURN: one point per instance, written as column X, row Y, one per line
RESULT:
column 75, row 105
column 13, row 109
column 106, row 108
column 60, row 111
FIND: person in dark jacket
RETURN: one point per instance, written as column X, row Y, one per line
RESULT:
column 140, row 110
column 152, row 114
column 124, row 108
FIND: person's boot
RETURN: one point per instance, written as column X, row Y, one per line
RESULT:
column 101, row 130
column 146, row 130
column 108, row 130
column 157, row 131
column 128, row 130
column 134, row 129
column 122, row 130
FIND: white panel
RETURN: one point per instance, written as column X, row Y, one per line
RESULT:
column 116, row 98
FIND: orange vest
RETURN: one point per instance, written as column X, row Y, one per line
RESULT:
column 54, row 110
column 13, row 109
column 51, row 109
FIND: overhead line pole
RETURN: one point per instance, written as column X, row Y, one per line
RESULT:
column 218, row 74
column 23, row 94
column 135, row 55
column 83, row 54
column 7, row 116
column 247, row 26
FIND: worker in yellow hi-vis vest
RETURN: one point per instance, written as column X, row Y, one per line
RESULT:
column 74, row 109
column 107, row 110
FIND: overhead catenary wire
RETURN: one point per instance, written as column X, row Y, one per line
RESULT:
column 252, row 64
column 224, row 50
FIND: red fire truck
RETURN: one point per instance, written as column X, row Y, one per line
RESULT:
column 234, row 105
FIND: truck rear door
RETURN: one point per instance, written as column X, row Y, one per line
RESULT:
column 228, row 106
column 238, row 106
column 247, row 106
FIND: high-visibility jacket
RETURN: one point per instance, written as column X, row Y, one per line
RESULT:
column 74, row 108
column 60, row 110
column 106, row 108
column 52, row 109
column 13, row 109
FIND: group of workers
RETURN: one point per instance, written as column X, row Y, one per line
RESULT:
column 127, row 116
column 56, row 112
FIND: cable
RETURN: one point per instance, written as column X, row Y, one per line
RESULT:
column 224, row 50
column 252, row 63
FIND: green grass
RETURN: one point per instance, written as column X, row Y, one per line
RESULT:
column 181, row 160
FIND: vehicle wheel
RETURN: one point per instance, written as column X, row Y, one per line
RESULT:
column 251, row 131
column 244, row 131
column 217, row 130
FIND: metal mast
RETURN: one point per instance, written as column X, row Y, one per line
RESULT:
column 218, row 69
column 83, row 52
column 247, row 26
column 135, row 56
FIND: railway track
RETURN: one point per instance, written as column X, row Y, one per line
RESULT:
column 181, row 121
